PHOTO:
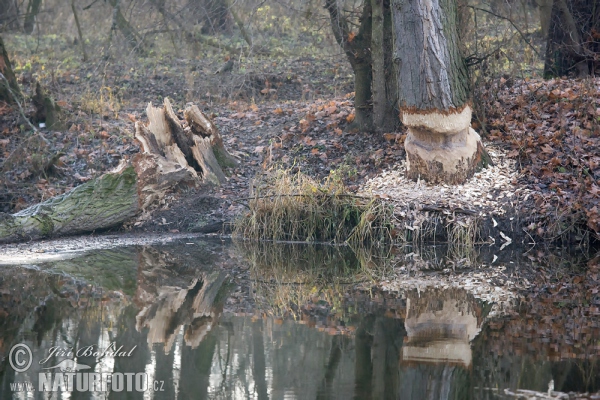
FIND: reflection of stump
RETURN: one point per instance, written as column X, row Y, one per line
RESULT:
column 440, row 326
column 165, row 309
column 174, row 153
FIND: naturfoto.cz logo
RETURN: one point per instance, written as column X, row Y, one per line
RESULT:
column 69, row 375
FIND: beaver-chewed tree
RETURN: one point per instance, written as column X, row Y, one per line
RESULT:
column 174, row 153
column 433, row 93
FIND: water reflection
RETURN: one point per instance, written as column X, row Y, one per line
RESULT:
column 178, row 314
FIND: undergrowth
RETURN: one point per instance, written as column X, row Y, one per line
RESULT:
column 287, row 206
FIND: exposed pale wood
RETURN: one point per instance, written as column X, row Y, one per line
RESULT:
column 173, row 155
column 200, row 125
column 158, row 125
column 205, row 157
column 433, row 93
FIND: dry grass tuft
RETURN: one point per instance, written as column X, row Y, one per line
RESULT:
column 294, row 207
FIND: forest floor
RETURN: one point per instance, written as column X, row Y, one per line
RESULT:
column 543, row 135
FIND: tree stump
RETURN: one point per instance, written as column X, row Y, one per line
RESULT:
column 174, row 153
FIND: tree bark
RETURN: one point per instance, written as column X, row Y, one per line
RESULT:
column 357, row 49
column 121, row 23
column 215, row 17
column 33, row 8
column 8, row 81
column 174, row 153
column 9, row 15
column 385, row 95
column 545, row 7
column 79, row 33
column 573, row 39
column 433, row 93
column 370, row 53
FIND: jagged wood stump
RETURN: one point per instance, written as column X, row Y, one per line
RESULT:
column 173, row 153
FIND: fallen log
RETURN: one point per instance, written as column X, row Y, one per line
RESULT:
column 174, row 153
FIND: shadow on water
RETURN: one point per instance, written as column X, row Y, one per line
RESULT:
column 209, row 320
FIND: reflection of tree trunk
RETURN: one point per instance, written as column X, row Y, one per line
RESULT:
column 335, row 355
column 395, row 333
column 363, row 367
column 33, row 8
column 259, row 365
column 88, row 334
column 164, row 372
column 387, row 340
column 129, row 337
column 195, row 367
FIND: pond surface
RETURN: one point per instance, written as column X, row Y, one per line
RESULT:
column 200, row 319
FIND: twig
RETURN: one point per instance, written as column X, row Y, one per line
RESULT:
column 512, row 23
column 88, row 6
column 303, row 195
column 454, row 210
column 16, row 99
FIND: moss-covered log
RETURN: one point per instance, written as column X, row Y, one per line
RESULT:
column 174, row 153
column 98, row 204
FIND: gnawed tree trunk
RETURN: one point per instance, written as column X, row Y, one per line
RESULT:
column 174, row 153
column 8, row 82
column 573, row 39
column 433, row 93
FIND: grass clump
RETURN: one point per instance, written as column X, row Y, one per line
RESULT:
column 287, row 206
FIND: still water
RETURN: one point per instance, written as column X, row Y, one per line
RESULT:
column 199, row 319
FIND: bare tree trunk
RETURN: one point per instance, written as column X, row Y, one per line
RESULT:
column 121, row 23
column 357, row 47
column 174, row 153
column 573, row 46
column 215, row 17
column 9, row 14
column 433, row 93
column 385, row 95
column 33, row 8
column 81, row 40
column 545, row 7
column 8, row 81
